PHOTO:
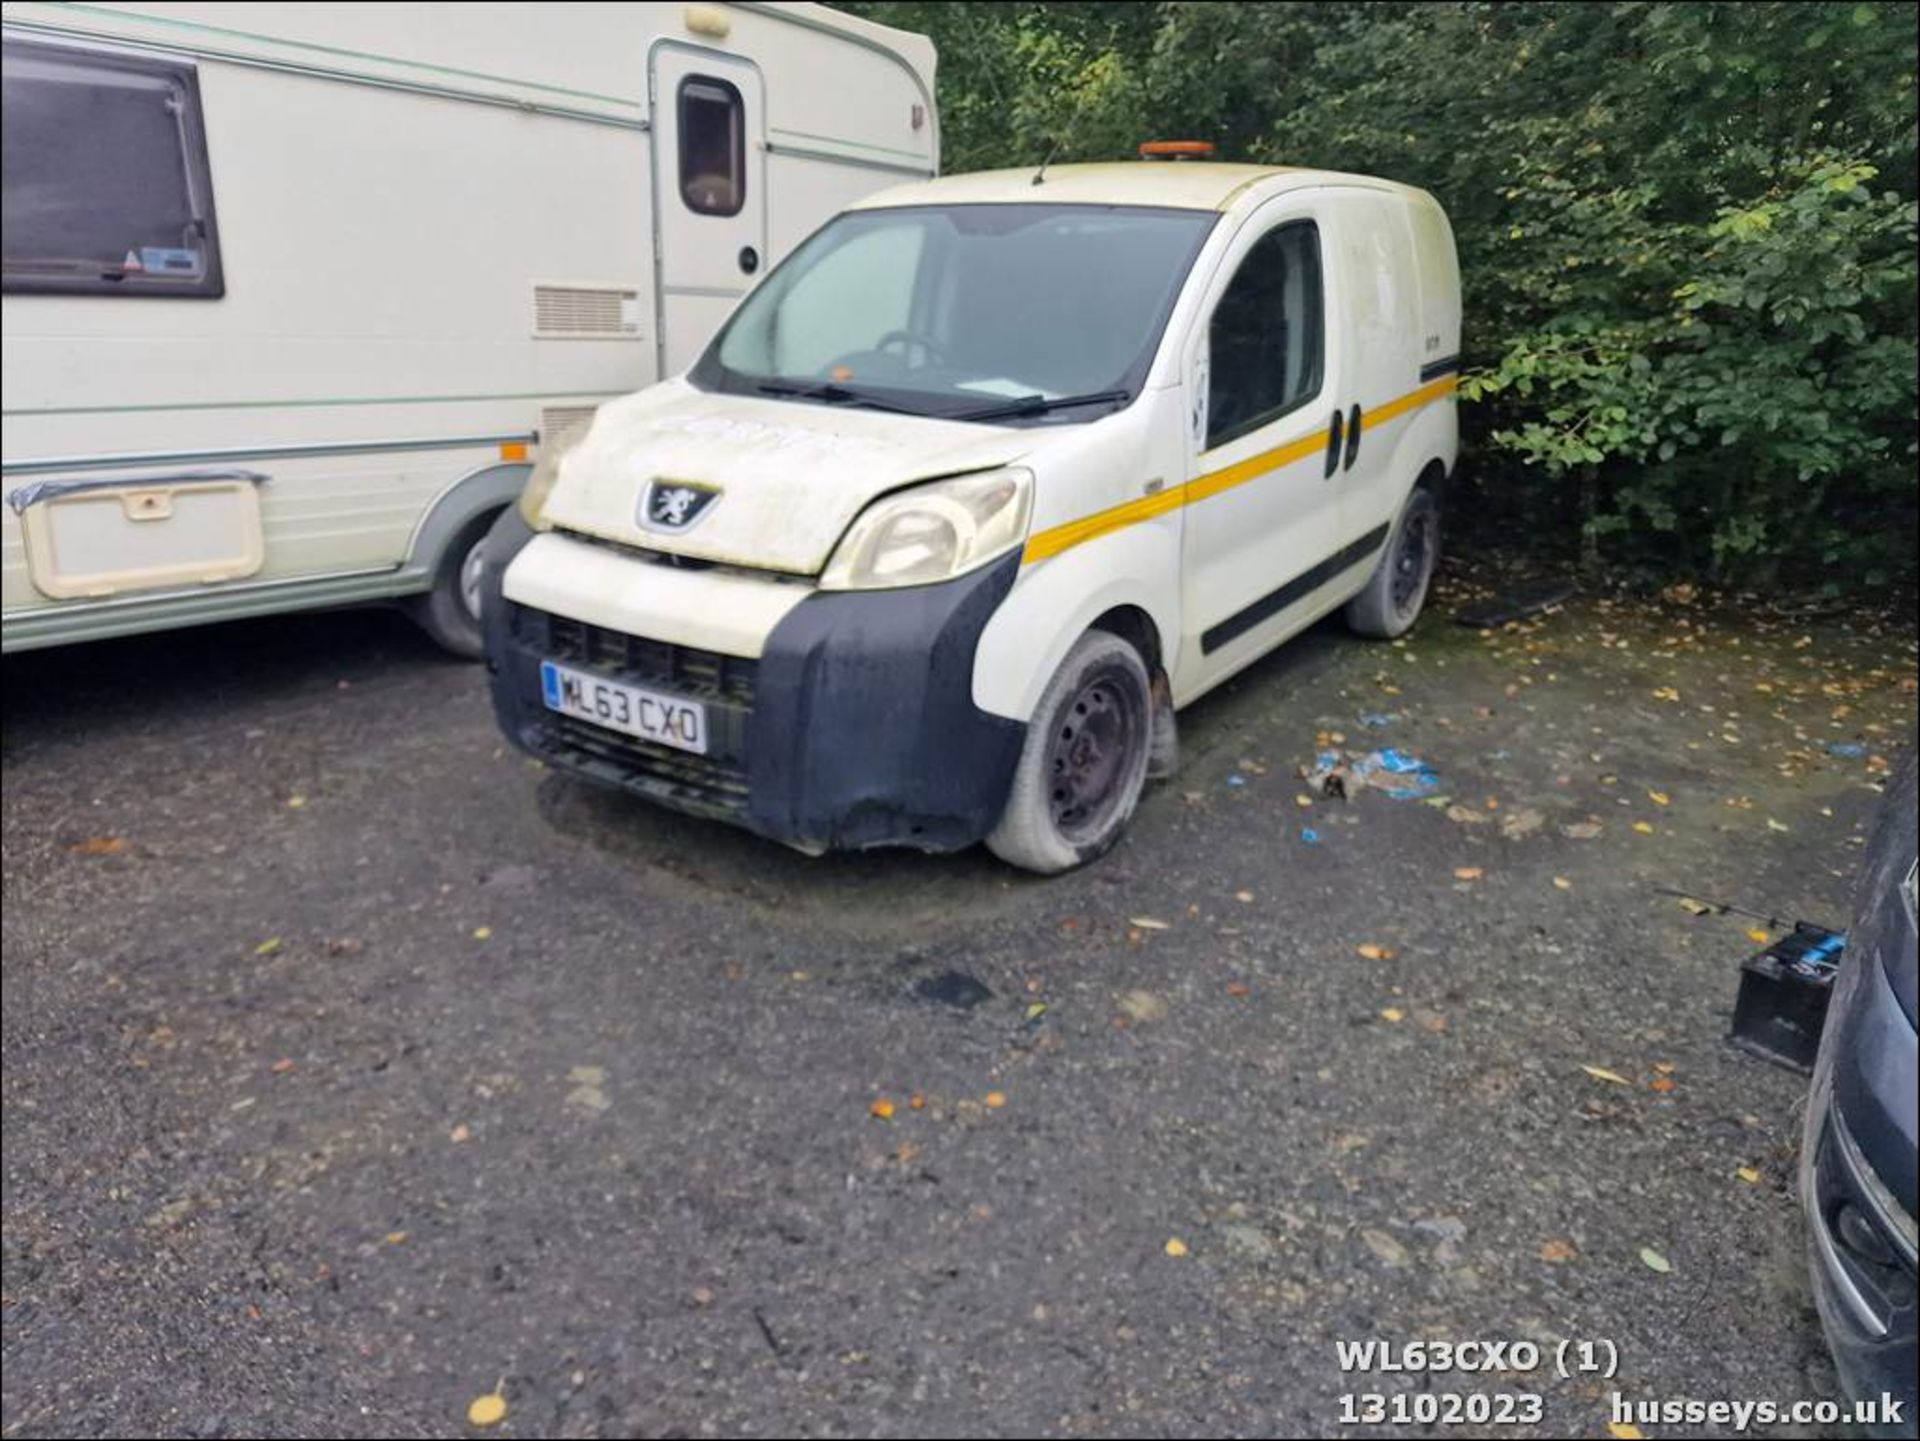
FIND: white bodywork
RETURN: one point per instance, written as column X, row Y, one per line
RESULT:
column 444, row 232
column 1129, row 510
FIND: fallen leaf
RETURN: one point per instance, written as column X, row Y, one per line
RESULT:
column 1660, row 798
column 881, row 1110
column 1643, row 828
column 1561, row 883
column 1625, row 1431
column 296, row 802
column 1143, row 1006
column 1392, row 1013
column 459, row 1133
column 1662, row 1084
column 995, row 1100
column 1666, row 692
column 394, row 1238
column 1557, row 1251
column 487, row 1410
column 1243, row 895
column 1149, row 923
column 1758, row 936
column 282, row 1066
column 1749, row 1175
column 98, row 846
column 1774, row 825
column 1520, row 823
column 1176, row 1247
column 1665, row 1068
column 267, row 947
column 916, row 1102
column 1238, row 988
column 1384, row 1246
column 1654, row 1261
column 1693, row 907
column 1371, row 952
column 1582, row 830
column 1601, row 1073
column 481, row 933
column 1467, row 873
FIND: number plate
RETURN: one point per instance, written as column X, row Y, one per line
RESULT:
column 665, row 719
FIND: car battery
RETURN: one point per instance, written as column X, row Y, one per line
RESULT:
column 1784, row 990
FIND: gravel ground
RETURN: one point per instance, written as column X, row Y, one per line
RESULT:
column 356, row 1068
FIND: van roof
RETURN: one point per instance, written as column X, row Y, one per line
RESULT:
column 1180, row 184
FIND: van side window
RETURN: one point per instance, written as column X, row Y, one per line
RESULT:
column 107, row 190
column 713, row 146
column 1267, row 334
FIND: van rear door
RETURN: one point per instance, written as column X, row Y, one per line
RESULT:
column 710, row 192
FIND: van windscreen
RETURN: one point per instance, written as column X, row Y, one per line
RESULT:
column 954, row 309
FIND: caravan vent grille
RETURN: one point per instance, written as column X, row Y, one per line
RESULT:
column 557, row 422
column 586, row 310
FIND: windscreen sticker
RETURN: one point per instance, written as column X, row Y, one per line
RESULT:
column 167, row 260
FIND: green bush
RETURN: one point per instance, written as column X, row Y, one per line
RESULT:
column 1687, row 236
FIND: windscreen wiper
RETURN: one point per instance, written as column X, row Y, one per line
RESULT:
column 1041, row 405
column 833, row 394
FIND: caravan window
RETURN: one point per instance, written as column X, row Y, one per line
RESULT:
column 107, row 190
column 713, row 146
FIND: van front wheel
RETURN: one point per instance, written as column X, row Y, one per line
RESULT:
column 1084, row 761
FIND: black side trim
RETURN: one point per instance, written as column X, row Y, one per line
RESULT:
column 1434, row 369
column 1271, row 604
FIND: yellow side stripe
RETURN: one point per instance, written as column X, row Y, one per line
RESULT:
column 1048, row 543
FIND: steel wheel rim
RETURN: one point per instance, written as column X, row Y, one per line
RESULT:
column 1411, row 562
column 1095, row 740
column 473, row 569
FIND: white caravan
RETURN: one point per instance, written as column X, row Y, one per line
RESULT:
column 988, row 478
column 293, row 291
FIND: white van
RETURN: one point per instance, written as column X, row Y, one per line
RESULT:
column 292, row 291
column 987, row 479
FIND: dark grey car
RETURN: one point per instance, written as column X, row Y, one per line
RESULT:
column 1858, row 1161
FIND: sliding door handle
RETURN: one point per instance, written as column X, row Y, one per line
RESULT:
column 1353, row 437
column 1333, row 445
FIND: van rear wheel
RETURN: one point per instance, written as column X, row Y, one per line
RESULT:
column 1397, row 589
column 1084, row 762
column 450, row 612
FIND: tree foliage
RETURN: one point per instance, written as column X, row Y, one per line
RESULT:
column 1686, row 231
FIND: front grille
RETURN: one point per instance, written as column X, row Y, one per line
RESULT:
column 705, row 674
column 712, row 784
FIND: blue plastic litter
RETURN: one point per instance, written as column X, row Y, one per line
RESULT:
column 1852, row 750
column 1378, row 718
column 1236, row 780
column 1413, row 777
column 1310, row 836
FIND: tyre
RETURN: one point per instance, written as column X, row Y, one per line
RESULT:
column 1084, row 762
column 450, row 612
column 1394, row 593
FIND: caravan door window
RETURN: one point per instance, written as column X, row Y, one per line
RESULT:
column 107, row 190
column 713, row 146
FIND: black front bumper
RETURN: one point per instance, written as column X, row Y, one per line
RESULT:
column 855, row 727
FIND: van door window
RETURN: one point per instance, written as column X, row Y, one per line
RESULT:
column 1266, row 339
column 713, row 146
column 106, row 189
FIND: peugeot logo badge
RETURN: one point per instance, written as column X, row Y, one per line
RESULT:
column 674, row 505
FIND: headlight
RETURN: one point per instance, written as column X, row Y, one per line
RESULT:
column 546, row 470
column 933, row 532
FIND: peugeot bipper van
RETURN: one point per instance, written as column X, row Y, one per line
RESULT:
column 979, row 486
